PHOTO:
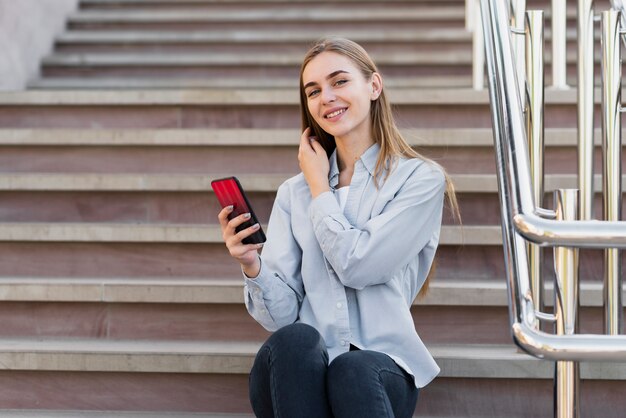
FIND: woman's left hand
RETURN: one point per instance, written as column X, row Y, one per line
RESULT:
column 313, row 163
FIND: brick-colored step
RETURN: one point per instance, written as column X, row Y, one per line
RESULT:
column 267, row 41
column 135, row 233
column 476, row 361
column 449, row 292
column 33, row 413
column 245, row 108
column 212, row 4
column 474, row 321
column 433, row 137
column 510, row 377
column 451, row 81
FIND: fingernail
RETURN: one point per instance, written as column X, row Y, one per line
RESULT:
column 230, row 207
column 246, row 216
column 255, row 226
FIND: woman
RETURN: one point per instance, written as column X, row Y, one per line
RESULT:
column 351, row 241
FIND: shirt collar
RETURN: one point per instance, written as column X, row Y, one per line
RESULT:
column 368, row 159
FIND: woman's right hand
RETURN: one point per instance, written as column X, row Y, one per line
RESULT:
column 245, row 254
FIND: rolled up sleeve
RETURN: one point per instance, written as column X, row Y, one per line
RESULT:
column 388, row 241
column 273, row 298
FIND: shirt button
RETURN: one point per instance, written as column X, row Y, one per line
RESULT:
column 257, row 292
column 339, row 305
column 342, row 342
column 263, row 311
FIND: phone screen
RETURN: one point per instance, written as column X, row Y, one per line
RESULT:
column 229, row 192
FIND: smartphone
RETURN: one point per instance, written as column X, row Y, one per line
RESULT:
column 229, row 192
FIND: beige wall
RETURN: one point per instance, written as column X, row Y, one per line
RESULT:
column 27, row 30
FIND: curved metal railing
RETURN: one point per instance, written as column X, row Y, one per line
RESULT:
column 523, row 220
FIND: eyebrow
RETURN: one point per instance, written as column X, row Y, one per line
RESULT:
column 328, row 77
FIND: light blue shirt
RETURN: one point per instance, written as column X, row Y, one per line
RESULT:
column 353, row 274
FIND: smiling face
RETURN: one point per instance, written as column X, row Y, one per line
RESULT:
column 338, row 96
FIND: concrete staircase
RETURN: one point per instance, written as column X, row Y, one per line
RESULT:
column 118, row 297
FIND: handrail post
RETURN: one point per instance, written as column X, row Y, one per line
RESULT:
column 585, row 107
column 567, row 374
column 478, row 49
column 611, row 170
column 559, row 42
column 470, row 15
column 519, row 45
column 535, row 132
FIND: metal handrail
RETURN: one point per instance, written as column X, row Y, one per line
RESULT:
column 534, row 223
column 620, row 6
column 522, row 220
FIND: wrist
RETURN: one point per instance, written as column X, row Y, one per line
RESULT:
column 253, row 269
column 319, row 188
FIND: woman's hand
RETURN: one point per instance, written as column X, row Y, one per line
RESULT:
column 313, row 163
column 245, row 254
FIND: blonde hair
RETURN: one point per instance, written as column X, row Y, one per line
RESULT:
column 384, row 130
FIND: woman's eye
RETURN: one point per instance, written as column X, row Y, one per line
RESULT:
column 340, row 82
column 312, row 93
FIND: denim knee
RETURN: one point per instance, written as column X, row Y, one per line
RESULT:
column 297, row 338
column 350, row 369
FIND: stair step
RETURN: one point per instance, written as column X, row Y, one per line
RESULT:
column 225, row 59
column 384, row 60
column 450, row 81
column 440, row 35
column 321, row 14
column 178, row 3
column 136, row 233
column 464, row 183
column 436, row 137
column 226, row 97
column 459, row 361
column 34, row 413
column 442, row 292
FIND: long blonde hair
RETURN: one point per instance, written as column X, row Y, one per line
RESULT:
column 383, row 126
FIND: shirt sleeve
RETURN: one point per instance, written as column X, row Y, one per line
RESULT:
column 388, row 241
column 273, row 298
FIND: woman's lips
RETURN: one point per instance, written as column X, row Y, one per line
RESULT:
column 335, row 114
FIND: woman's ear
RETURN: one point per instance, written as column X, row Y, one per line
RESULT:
column 376, row 85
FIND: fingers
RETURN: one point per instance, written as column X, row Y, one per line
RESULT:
column 245, row 233
column 223, row 215
column 306, row 133
column 230, row 226
column 317, row 147
column 240, row 251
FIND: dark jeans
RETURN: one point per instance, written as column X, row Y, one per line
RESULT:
column 291, row 378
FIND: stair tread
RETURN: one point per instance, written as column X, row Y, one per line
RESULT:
column 321, row 13
column 231, row 2
column 201, row 182
column 442, row 292
column 264, row 37
column 461, row 57
column 37, row 413
column 186, row 233
column 230, row 97
column 467, row 360
column 242, row 35
column 454, row 81
column 219, row 58
column 438, row 137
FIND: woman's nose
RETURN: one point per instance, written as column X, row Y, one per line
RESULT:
column 328, row 96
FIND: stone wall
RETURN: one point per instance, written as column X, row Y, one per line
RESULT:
column 27, row 30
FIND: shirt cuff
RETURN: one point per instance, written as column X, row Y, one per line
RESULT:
column 261, row 284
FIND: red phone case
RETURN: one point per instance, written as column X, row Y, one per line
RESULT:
column 229, row 192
